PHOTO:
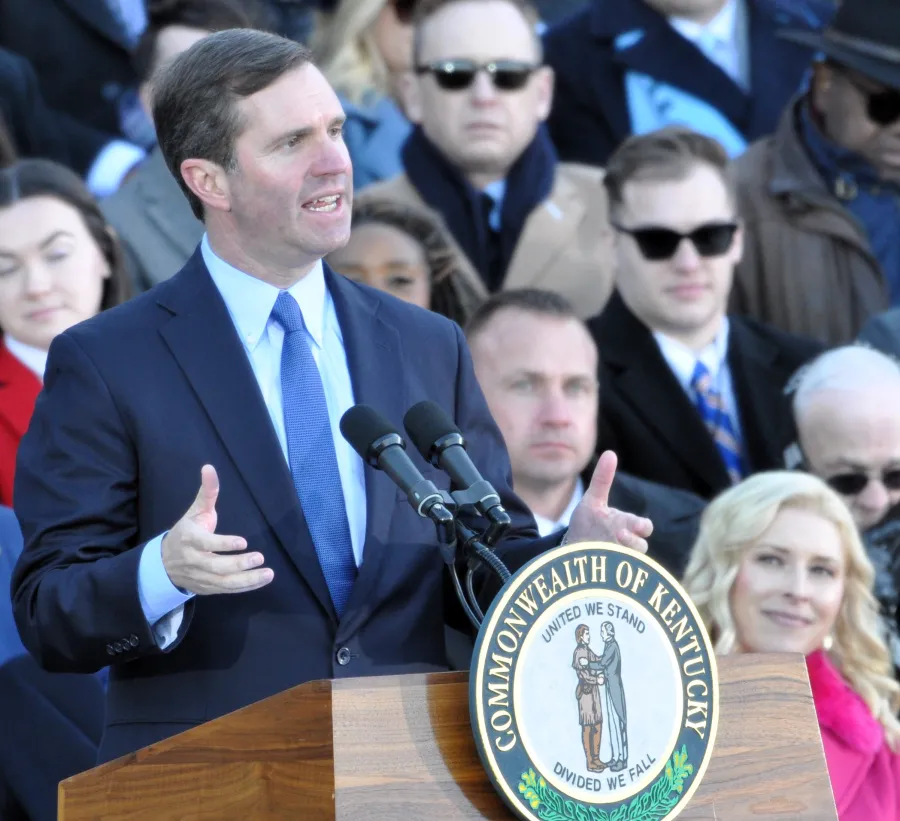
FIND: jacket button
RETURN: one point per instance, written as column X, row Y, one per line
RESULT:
column 117, row 646
column 133, row 640
column 110, row 649
column 343, row 656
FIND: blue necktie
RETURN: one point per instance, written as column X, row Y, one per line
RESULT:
column 311, row 453
column 718, row 422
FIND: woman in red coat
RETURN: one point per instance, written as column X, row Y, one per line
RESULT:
column 778, row 566
column 60, row 263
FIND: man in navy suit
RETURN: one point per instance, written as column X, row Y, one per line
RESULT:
column 632, row 66
column 234, row 374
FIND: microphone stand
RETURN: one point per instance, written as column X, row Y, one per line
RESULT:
column 455, row 539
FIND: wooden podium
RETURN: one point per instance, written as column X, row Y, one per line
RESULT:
column 401, row 747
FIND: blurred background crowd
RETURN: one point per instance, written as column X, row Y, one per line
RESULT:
column 669, row 228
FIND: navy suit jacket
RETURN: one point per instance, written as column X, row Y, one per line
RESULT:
column 617, row 51
column 135, row 401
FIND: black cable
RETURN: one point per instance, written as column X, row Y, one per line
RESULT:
column 470, row 588
column 491, row 560
column 462, row 598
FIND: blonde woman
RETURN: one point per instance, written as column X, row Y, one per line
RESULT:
column 778, row 567
column 364, row 48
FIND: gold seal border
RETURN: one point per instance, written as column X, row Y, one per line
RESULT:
column 498, row 607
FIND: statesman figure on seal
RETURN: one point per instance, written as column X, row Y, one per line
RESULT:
column 588, row 696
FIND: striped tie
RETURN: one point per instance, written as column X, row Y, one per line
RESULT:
column 715, row 416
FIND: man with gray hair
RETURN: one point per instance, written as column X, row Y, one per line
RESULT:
column 847, row 412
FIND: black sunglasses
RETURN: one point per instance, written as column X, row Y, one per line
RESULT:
column 882, row 104
column 849, row 484
column 657, row 243
column 456, row 75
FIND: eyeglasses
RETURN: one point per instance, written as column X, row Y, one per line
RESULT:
column 456, row 75
column 882, row 104
column 655, row 243
column 850, row 484
column 404, row 10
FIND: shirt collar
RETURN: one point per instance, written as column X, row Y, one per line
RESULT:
column 682, row 360
column 32, row 358
column 547, row 526
column 723, row 27
column 250, row 300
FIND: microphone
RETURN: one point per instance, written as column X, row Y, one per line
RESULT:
column 442, row 444
column 381, row 446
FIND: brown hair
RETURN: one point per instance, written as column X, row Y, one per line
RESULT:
column 665, row 155
column 424, row 9
column 43, row 178
column 451, row 294
column 203, row 15
column 195, row 96
column 530, row 300
column 580, row 631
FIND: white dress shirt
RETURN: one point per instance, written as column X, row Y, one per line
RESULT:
column 32, row 358
column 725, row 40
column 250, row 301
column 682, row 361
column 547, row 526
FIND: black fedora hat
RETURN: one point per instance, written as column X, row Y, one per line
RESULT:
column 864, row 35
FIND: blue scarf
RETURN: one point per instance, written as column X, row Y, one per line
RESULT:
column 447, row 191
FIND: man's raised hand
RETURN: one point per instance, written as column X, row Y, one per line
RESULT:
column 192, row 553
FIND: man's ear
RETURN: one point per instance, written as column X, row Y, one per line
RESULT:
column 546, row 80
column 208, row 182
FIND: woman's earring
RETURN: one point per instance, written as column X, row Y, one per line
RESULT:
column 828, row 643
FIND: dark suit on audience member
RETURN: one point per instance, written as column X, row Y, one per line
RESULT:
column 38, row 130
column 675, row 515
column 651, row 423
column 153, row 218
column 621, row 69
column 80, row 53
column 51, row 722
column 19, row 388
column 169, row 389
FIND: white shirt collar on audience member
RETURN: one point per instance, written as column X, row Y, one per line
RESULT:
column 547, row 526
column 32, row 358
column 724, row 39
column 250, row 300
column 682, row 360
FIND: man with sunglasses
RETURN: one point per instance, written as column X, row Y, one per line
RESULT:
column 690, row 398
column 481, row 159
column 821, row 197
column 846, row 405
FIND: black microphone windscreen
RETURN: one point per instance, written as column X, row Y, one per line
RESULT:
column 426, row 422
column 363, row 425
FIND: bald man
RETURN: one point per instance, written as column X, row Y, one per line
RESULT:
column 847, row 411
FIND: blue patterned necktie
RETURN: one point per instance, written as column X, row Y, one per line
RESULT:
column 718, row 422
column 311, row 453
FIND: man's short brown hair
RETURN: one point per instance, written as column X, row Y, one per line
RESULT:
column 424, row 9
column 666, row 155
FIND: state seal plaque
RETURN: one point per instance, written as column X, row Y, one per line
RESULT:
column 593, row 691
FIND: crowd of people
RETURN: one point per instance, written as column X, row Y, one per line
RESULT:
column 665, row 229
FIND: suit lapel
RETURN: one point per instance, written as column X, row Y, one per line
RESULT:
column 97, row 14
column 205, row 343
column 376, row 371
column 758, row 394
column 547, row 233
column 641, row 376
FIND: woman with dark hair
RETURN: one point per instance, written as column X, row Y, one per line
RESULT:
column 406, row 252
column 60, row 263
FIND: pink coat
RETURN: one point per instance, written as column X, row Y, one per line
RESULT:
column 865, row 773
